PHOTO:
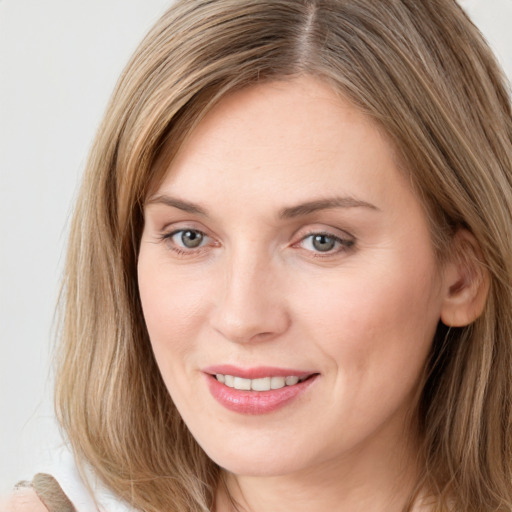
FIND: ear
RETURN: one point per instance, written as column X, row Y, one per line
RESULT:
column 466, row 281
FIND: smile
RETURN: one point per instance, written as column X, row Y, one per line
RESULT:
column 261, row 384
column 259, row 390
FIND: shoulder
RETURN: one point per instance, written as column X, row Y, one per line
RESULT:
column 43, row 494
column 65, row 485
column 23, row 499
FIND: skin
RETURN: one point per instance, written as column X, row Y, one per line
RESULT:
column 258, row 292
column 23, row 500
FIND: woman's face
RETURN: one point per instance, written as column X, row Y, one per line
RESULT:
column 286, row 255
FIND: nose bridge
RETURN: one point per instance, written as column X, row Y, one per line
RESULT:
column 251, row 304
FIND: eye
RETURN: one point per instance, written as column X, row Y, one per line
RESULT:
column 187, row 239
column 325, row 243
column 190, row 239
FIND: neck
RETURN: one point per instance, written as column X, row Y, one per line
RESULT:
column 379, row 478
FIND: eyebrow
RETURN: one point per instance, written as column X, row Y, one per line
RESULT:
column 286, row 213
column 324, row 204
column 186, row 206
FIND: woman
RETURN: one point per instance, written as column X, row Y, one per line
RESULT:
column 288, row 282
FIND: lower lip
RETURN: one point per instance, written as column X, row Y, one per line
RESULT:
column 256, row 402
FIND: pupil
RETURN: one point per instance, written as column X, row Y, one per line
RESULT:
column 191, row 239
column 323, row 243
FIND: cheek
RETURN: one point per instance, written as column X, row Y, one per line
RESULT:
column 172, row 309
column 375, row 325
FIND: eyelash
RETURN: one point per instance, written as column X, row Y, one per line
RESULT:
column 181, row 251
column 343, row 244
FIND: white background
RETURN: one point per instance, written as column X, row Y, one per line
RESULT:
column 59, row 60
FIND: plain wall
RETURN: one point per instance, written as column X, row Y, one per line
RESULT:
column 59, row 61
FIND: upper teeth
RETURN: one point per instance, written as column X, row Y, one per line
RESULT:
column 263, row 384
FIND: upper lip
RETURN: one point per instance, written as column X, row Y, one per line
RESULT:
column 256, row 372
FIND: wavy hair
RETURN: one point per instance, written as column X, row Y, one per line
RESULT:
column 424, row 73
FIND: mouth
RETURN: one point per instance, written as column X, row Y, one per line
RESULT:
column 260, row 384
column 257, row 390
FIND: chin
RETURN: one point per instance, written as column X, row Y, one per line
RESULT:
column 256, row 462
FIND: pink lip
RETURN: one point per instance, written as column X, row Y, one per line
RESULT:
column 255, row 402
column 255, row 373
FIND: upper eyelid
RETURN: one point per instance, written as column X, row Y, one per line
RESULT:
column 318, row 227
column 172, row 228
column 182, row 225
column 342, row 234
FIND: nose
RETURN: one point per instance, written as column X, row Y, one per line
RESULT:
column 251, row 305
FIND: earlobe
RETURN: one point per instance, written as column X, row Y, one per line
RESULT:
column 466, row 282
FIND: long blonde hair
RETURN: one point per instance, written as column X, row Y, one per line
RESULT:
column 425, row 74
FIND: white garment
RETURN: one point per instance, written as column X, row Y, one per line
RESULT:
column 64, row 469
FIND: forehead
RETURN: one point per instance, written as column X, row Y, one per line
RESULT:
column 297, row 135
